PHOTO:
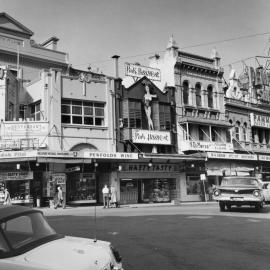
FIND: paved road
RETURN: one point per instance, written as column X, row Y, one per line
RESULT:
column 175, row 237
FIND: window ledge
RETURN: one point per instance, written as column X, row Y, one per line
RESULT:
column 84, row 127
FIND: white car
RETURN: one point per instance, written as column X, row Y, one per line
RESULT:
column 28, row 242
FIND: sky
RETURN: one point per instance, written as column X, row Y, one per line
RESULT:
column 92, row 31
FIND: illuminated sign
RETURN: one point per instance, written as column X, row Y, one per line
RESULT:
column 205, row 146
column 151, row 137
column 153, row 168
column 139, row 71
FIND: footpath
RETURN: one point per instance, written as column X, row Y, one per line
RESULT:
column 77, row 210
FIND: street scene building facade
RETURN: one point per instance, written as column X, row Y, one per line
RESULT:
column 166, row 132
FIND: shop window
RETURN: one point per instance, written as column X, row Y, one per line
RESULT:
column 185, row 92
column 82, row 113
column 210, row 96
column 198, row 95
column 35, row 112
column 157, row 190
column 81, row 187
column 165, row 117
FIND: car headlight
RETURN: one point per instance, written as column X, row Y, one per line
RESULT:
column 217, row 192
column 256, row 193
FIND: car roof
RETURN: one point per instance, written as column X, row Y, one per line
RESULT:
column 9, row 211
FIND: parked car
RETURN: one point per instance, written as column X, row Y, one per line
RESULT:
column 28, row 242
column 238, row 191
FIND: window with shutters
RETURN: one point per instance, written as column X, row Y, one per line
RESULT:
column 165, row 117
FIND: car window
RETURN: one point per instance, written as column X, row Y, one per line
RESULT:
column 26, row 229
column 238, row 181
column 3, row 244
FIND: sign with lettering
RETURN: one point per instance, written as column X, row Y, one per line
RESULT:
column 110, row 155
column 10, row 176
column 27, row 127
column 205, row 146
column 257, row 120
column 57, row 154
column 92, row 77
column 59, row 178
column 154, row 168
column 264, row 158
column 139, row 71
column 231, row 156
column 73, row 169
column 18, row 154
column 151, row 137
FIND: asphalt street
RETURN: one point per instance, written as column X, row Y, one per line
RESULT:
column 190, row 236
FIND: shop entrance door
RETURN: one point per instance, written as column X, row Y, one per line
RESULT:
column 128, row 191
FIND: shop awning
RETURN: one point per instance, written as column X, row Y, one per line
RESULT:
column 192, row 120
column 62, row 160
column 17, row 160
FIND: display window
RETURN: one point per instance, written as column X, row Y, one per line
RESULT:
column 19, row 191
column 157, row 190
column 81, row 188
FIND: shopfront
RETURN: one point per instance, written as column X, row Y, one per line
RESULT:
column 141, row 183
column 20, row 186
column 81, row 188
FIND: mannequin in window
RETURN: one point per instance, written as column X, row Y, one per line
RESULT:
column 147, row 106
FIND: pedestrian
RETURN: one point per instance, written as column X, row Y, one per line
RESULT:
column 113, row 196
column 105, row 193
column 60, row 200
column 7, row 200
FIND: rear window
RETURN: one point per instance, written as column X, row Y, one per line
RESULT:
column 239, row 181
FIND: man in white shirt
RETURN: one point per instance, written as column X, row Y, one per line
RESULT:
column 105, row 192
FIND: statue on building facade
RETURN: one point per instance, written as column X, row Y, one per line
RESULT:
column 147, row 99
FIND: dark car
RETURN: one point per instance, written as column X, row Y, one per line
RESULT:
column 238, row 191
column 28, row 242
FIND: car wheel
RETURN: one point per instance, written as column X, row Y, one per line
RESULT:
column 222, row 206
column 259, row 206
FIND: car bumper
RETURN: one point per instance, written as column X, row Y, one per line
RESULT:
column 238, row 199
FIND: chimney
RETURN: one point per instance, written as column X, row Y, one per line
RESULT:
column 116, row 68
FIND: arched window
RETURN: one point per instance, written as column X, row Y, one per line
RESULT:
column 198, row 95
column 210, row 96
column 229, row 132
column 185, row 92
column 237, row 130
column 244, row 129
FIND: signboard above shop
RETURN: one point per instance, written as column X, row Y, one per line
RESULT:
column 257, row 120
column 205, row 146
column 139, row 71
column 231, row 156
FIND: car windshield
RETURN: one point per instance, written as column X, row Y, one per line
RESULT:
column 26, row 229
column 239, row 181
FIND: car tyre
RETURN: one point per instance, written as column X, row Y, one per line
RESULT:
column 222, row 206
column 259, row 206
